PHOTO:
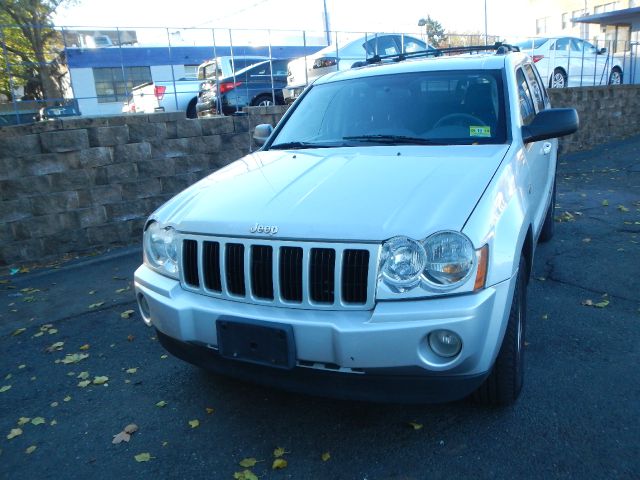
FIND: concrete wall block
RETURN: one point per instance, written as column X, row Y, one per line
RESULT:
column 50, row 225
column 188, row 128
column 23, row 251
column 13, row 210
column 240, row 124
column 6, row 235
column 177, row 183
column 121, row 172
column 211, row 143
column 83, row 122
column 172, row 129
column 20, row 145
column 147, row 188
column 177, row 147
column 64, row 141
column 129, row 210
column 71, row 180
column 118, row 233
column 133, row 152
column 89, row 217
column 157, row 167
column 67, row 241
column 216, row 125
column 108, row 136
column 25, row 186
column 91, row 157
column 50, row 163
column 147, row 131
column 54, row 203
column 236, row 141
column 12, row 167
column 192, row 163
column 163, row 117
column 104, row 195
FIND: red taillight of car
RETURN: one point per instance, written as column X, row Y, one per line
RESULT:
column 325, row 62
column 158, row 91
column 132, row 108
column 537, row 58
column 224, row 87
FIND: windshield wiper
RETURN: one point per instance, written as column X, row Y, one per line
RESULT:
column 395, row 140
column 302, row 145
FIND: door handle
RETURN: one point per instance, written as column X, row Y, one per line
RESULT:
column 546, row 148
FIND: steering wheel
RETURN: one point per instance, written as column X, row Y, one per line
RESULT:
column 462, row 119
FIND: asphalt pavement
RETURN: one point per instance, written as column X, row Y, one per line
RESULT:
column 78, row 365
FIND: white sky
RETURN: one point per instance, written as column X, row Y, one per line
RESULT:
column 456, row 16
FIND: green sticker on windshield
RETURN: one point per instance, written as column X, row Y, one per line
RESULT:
column 483, row 131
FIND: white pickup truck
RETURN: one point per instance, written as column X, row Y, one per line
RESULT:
column 167, row 96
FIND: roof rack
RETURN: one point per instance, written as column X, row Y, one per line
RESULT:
column 499, row 47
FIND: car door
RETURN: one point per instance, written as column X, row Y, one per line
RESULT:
column 583, row 67
column 541, row 169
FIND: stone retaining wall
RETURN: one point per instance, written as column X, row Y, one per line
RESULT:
column 75, row 185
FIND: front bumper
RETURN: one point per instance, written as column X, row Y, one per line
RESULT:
column 291, row 93
column 380, row 354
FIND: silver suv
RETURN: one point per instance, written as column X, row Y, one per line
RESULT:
column 379, row 245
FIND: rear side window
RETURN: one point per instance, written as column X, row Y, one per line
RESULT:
column 527, row 110
column 537, row 90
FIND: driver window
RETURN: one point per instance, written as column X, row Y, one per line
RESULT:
column 562, row 44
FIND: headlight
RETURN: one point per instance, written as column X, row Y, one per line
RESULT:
column 403, row 261
column 161, row 249
column 449, row 260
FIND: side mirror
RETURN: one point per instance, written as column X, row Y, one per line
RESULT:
column 602, row 51
column 552, row 123
column 261, row 133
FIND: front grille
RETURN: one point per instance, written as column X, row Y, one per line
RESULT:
column 294, row 274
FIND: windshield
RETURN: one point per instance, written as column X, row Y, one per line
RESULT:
column 532, row 44
column 440, row 108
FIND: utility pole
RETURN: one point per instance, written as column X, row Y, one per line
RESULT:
column 326, row 22
column 486, row 33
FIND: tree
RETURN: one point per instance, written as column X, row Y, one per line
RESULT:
column 434, row 31
column 30, row 47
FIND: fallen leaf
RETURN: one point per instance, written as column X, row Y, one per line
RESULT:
column 325, row 456
column 545, row 316
column 164, row 444
column 143, row 457
column 8, row 376
column 121, row 437
column 415, row 425
column 38, row 421
column 209, row 410
column 161, row 404
column 39, row 334
column 18, row 332
column 131, row 370
column 622, row 208
column 131, row 428
column 127, row 313
column 74, row 358
column 84, row 383
column 100, row 380
column 248, row 462
column 66, row 399
column 245, row 475
column 23, row 421
column 601, row 304
column 14, row 433
column 587, row 303
column 4, row 388
column 52, row 331
column 194, row 423
column 586, row 240
column 54, row 404
column 279, row 464
column 605, row 203
column 55, row 347
column 96, row 305
column 121, row 290
column 130, row 338
column 83, row 375
column 85, row 347
column 30, row 449
column 278, row 452
column 53, row 422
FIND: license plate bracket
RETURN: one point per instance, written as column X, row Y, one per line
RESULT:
column 255, row 341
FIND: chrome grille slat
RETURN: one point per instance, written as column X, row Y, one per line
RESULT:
column 308, row 275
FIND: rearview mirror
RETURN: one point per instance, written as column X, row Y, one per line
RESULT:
column 552, row 123
column 262, row 133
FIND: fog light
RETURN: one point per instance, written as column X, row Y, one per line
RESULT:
column 144, row 309
column 445, row 343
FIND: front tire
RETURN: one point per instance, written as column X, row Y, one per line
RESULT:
column 191, row 109
column 615, row 78
column 558, row 79
column 263, row 101
column 503, row 385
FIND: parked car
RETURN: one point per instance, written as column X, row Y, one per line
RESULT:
column 166, row 96
column 224, row 66
column 572, row 62
column 60, row 110
column 378, row 246
column 254, row 85
column 305, row 70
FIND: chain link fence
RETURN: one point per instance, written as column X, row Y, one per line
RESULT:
column 105, row 71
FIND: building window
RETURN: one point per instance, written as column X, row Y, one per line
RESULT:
column 605, row 7
column 541, row 25
column 565, row 20
column 576, row 14
column 191, row 71
column 114, row 84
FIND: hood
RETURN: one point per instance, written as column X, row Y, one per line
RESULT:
column 364, row 194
